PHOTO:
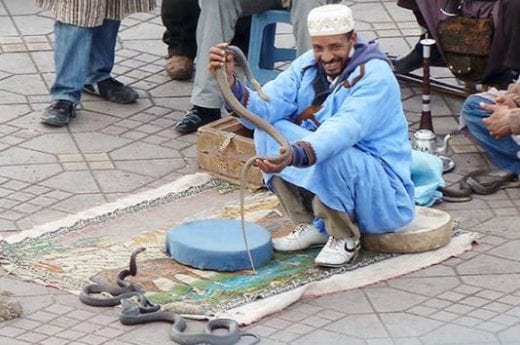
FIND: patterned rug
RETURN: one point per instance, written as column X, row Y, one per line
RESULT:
column 97, row 244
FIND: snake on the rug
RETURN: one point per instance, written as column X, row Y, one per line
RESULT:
column 259, row 123
column 136, row 309
column 112, row 295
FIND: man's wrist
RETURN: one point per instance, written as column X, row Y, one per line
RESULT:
column 302, row 154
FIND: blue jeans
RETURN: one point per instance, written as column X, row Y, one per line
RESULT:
column 82, row 56
column 502, row 152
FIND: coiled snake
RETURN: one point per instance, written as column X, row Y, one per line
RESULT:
column 136, row 309
column 258, row 122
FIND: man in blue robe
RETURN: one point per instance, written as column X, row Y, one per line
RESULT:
column 339, row 106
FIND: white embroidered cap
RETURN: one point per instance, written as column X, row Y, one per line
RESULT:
column 330, row 20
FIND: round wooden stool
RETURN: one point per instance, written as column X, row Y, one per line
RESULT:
column 430, row 229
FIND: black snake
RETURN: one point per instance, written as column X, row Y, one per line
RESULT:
column 136, row 309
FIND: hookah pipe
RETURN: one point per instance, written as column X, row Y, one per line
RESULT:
column 426, row 114
column 426, row 132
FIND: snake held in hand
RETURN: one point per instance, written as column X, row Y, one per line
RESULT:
column 258, row 122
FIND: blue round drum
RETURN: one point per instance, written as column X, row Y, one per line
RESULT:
column 218, row 244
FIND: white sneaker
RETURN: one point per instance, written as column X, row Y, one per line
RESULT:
column 337, row 252
column 302, row 237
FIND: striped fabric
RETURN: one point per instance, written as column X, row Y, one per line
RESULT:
column 91, row 13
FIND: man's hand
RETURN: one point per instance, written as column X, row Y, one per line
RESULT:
column 268, row 166
column 498, row 122
column 218, row 57
column 504, row 100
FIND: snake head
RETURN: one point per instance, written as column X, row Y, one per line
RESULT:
column 129, row 306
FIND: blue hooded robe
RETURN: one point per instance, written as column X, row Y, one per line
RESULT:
column 359, row 137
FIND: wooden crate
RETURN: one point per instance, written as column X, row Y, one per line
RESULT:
column 223, row 147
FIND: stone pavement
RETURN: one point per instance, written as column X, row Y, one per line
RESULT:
column 111, row 151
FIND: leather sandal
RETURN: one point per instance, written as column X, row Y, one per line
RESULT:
column 489, row 181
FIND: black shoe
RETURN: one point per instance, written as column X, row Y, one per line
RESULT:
column 501, row 79
column 113, row 91
column 59, row 113
column 414, row 59
column 196, row 117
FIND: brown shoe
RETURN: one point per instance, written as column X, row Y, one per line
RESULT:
column 179, row 67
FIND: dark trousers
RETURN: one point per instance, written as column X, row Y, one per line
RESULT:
column 510, row 12
column 180, row 19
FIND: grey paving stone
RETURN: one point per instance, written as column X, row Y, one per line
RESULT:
column 503, row 226
column 48, row 330
column 52, row 143
column 67, row 181
column 34, row 25
column 98, row 143
column 467, row 321
column 26, row 84
column 392, row 300
column 427, row 286
column 482, row 314
column 156, row 333
column 407, row 325
column 8, row 331
column 70, row 334
column 348, row 302
column 20, row 8
column 12, row 111
column 116, row 110
column 510, row 335
column 445, row 316
column 504, row 283
column 32, row 337
column 512, row 300
column 126, row 182
column 299, row 328
column 276, row 323
column 361, row 326
column 26, row 324
column 497, row 307
column 79, row 202
column 453, row 334
column 18, row 155
column 508, row 250
column 459, row 308
column 10, row 341
column 260, row 330
column 7, row 225
column 31, row 304
column 325, row 337
column 54, row 341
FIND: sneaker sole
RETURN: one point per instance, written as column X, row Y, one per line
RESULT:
column 53, row 124
column 298, row 250
column 337, row 265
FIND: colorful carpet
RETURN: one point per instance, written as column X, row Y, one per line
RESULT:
column 96, row 245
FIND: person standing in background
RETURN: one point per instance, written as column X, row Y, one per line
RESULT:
column 85, row 40
column 180, row 18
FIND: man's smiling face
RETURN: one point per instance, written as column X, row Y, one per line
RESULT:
column 332, row 52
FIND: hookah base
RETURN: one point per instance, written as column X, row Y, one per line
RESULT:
column 448, row 164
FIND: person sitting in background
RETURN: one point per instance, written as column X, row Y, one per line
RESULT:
column 493, row 120
column 85, row 40
column 339, row 106
column 180, row 18
column 217, row 24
